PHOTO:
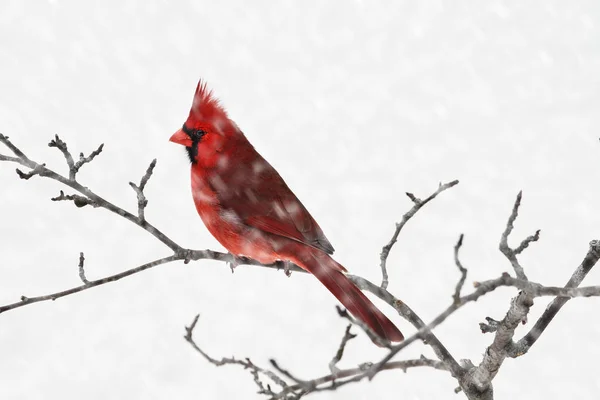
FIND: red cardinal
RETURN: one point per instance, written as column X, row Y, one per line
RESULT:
column 250, row 210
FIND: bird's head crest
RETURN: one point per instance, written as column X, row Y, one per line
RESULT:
column 206, row 110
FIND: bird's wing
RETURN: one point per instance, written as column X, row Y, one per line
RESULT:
column 258, row 195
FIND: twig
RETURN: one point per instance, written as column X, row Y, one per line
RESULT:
column 418, row 204
column 475, row 381
column 79, row 201
column 479, row 379
column 85, row 160
column 463, row 270
column 62, row 146
column 13, row 148
column 376, row 339
column 37, row 170
column 247, row 364
column 358, row 372
column 98, row 282
column 340, row 352
column 424, row 332
column 509, row 253
column 591, row 258
column 491, row 325
column 42, row 170
column 525, row 243
column 179, row 255
column 289, row 375
column 81, row 270
column 139, row 190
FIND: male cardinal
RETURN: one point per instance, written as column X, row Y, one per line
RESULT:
column 251, row 211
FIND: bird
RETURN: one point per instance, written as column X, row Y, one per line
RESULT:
column 247, row 206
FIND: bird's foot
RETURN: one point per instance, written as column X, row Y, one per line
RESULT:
column 233, row 262
column 286, row 268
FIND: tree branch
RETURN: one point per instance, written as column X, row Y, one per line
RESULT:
column 42, row 170
column 247, row 364
column 424, row 332
column 509, row 253
column 139, row 190
column 463, row 270
column 475, row 381
column 418, row 204
column 340, row 352
column 82, row 270
column 591, row 258
column 112, row 278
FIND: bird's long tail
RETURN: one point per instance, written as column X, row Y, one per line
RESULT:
column 331, row 274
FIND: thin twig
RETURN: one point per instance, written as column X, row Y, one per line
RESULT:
column 37, row 170
column 508, row 252
column 418, row 204
column 17, row 152
column 375, row 338
column 491, row 325
column 62, row 146
column 472, row 379
column 139, row 190
column 591, row 258
column 424, row 332
column 357, row 374
column 79, row 201
column 288, row 374
column 42, row 170
column 340, row 352
column 247, row 364
column 463, row 270
column 98, row 282
column 85, row 160
column 82, row 270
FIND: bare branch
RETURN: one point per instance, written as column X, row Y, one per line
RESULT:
column 62, row 146
column 463, row 270
column 418, row 204
column 8, row 158
column 37, row 170
column 42, row 170
column 79, row 201
column 247, row 364
column 85, row 160
column 13, row 148
column 475, row 381
column 375, row 338
column 81, row 270
column 74, row 166
column 340, row 352
column 481, row 377
column 98, row 282
column 525, row 243
column 288, row 374
column 424, row 332
column 139, row 190
column 355, row 375
column 509, row 253
column 491, row 325
column 591, row 258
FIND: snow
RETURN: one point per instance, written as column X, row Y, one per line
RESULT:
column 354, row 103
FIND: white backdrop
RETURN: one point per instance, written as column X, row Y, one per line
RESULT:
column 354, row 103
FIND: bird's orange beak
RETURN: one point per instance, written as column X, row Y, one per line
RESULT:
column 180, row 137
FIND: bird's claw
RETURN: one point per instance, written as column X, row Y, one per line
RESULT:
column 233, row 262
column 286, row 268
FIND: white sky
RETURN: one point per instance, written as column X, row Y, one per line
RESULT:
column 354, row 104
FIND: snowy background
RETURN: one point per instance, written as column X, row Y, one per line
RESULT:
column 354, row 103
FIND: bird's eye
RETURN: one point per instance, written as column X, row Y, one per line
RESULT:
column 197, row 134
column 194, row 134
